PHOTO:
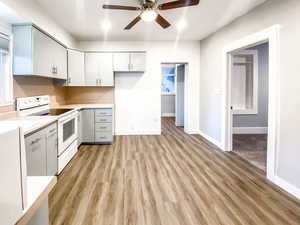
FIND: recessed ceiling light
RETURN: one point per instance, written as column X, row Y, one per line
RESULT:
column 106, row 25
column 149, row 15
column 181, row 25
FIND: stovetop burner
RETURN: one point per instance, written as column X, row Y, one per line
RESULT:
column 51, row 112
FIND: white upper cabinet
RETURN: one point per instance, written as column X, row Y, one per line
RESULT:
column 137, row 62
column 35, row 53
column 75, row 68
column 99, row 69
column 130, row 62
column 121, row 62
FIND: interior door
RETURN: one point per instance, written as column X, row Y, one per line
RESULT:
column 75, row 68
column 137, row 62
column 92, row 69
column 121, row 62
column 179, row 99
column 106, row 73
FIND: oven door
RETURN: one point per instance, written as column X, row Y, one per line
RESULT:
column 67, row 132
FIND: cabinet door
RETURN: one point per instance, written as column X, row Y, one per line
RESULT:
column 51, row 153
column 106, row 73
column 60, row 61
column 121, row 62
column 137, row 62
column 75, row 68
column 92, row 69
column 88, row 126
column 79, row 127
column 42, row 54
column 36, row 154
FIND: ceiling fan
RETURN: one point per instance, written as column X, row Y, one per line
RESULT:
column 149, row 10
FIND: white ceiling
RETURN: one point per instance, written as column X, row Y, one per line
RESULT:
column 83, row 19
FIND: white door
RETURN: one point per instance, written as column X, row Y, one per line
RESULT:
column 60, row 60
column 92, row 68
column 106, row 73
column 138, row 62
column 42, row 59
column 75, row 68
column 179, row 99
column 121, row 62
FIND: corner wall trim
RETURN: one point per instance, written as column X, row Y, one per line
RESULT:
column 210, row 139
column 250, row 130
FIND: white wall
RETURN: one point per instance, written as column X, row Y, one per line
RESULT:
column 30, row 11
column 285, row 13
column 142, row 93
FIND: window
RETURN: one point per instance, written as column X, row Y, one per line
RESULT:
column 168, row 79
column 5, row 71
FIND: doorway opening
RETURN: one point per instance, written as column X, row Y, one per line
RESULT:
column 249, row 103
column 173, row 94
column 271, row 36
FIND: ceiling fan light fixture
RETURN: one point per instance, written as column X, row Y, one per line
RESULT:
column 148, row 15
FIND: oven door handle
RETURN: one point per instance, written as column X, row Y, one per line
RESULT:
column 68, row 118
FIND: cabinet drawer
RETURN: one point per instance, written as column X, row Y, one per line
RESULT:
column 103, row 136
column 103, row 127
column 103, row 112
column 51, row 129
column 103, row 119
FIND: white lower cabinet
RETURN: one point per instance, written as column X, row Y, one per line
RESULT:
column 41, row 152
column 97, row 126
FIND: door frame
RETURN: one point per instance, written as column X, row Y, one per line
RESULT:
column 272, row 36
column 186, row 97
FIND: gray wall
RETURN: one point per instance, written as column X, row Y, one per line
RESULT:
column 167, row 104
column 261, row 118
column 286, row 14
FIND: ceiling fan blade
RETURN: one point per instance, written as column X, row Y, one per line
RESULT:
column 162, row 21
column 178, row 4
column 121, row 7
column 132, row 23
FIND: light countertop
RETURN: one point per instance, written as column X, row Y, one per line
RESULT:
column 30, row 124
column 86, row 106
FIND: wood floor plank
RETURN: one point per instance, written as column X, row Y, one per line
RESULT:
column 170, row 179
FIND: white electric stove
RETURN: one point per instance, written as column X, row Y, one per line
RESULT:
column 66, row 126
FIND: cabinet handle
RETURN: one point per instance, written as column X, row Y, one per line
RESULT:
column 69, row 80
column 35, row 141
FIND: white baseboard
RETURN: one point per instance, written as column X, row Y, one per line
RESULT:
column 192, row 131
column 210, row 139
column 168, row 114
column 250, row 130
column 285, row 186
column 137, row 132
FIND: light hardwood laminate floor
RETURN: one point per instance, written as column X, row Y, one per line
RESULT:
column 172, row 179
